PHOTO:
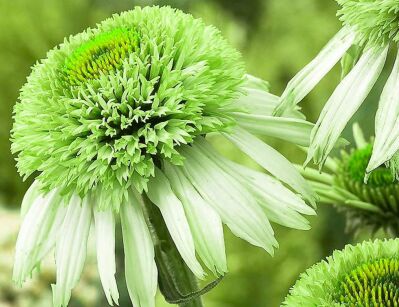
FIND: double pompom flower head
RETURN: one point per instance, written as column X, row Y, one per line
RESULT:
column 370, row 29
column 363, row 275
column 114, row 120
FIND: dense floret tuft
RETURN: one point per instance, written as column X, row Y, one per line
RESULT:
column 109, row 103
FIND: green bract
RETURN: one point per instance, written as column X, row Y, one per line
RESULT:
column 377, row 22
column 363, row 275
column 368, row 200
column 108, row 104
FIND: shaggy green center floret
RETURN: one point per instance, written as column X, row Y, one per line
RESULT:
column 376, row 21
column 110, row 103
column 371, row 284
column 102, row 54
column 380, row 190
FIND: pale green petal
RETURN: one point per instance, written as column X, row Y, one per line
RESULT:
column 344, row 102
column 161, row 194
column 235, row 205
column 71, row 246
column 256, row 83
column 205, row 223
column 386, row 142
column 260, row 102
column 281, row 205
column 294, row 130
column 311, row 74
column 105, row 245
column 140, row 268
column 31, row 194
column 38, row 234
column 272, row 161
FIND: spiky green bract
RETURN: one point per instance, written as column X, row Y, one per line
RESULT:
column 376, row 22
column 110, row 102
column 363, row 275
column 380, row 190
column 353, row 168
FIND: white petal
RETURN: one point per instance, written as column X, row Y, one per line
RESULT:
column 272, row 161
column 71, row 248
column 161, row 194
column 344, row 102
column 305, row 80
column 387, row 122
column 294, row 130
column 260, row 102
column 105, row 245
column 205, row 223
column 38, row 233
column 140, row 268
column 31, row 194
column 256, row 83
column 235, row 205
column 281, row 205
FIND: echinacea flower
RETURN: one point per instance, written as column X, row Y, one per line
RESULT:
column 368, row 201
column 366, row 274
column 115, row 119
column 370, row 28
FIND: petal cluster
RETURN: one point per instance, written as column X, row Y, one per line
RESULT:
column 370, row 30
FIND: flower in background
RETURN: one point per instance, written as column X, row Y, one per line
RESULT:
column 115, row 118
column 370, row 28
column 363, row 275
column 369, row 201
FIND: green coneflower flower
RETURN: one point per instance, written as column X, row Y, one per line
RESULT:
column 363, row 275
column 369, row 201
column 115, row 119
column 370, row 28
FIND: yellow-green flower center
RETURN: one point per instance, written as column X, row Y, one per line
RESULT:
column 371, row 284
column 103, row 53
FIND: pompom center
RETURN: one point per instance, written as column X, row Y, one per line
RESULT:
column 371, row 284
column 101, row 54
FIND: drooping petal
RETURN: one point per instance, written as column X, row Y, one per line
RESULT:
column 386, row 142
column 140, row 268
column 71, row 248
column 31, row 194
column 272, row 161
column 344, row 102
column 260, row 102
column 256, row 83
column 105, row 245
column 305, row 80
column 281, row 205
column 294, row 130
column 38, row 233
column 161, row 194
column 205, row 223
column 235, row 205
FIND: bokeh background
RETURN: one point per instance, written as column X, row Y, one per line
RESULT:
column 276, row 38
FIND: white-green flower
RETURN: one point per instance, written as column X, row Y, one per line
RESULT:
column 118, row 115
column 370, row 28
column 366, row 274
column 368, row 204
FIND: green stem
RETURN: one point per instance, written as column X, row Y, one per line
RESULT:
column 176, row 281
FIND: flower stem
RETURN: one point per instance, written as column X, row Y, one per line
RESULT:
column 176, row 282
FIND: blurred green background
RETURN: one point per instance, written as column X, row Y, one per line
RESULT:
column 276, row 38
